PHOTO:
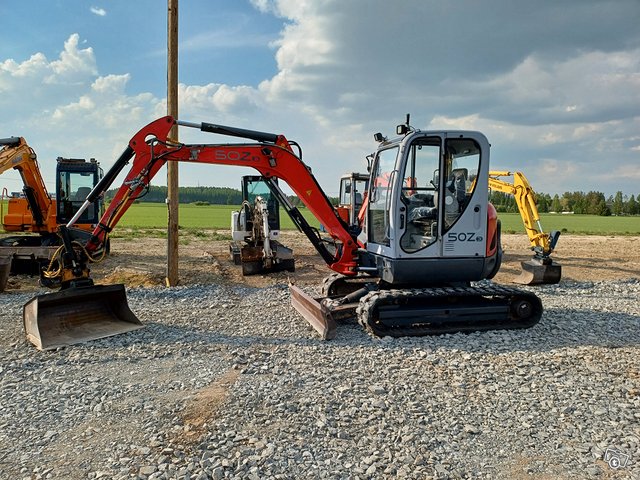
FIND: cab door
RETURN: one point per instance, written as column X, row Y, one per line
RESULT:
column 465, row 166
column 380, row 224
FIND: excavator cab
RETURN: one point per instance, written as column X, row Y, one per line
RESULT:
column 353, row 191
column 75, row 180
column 427, row 222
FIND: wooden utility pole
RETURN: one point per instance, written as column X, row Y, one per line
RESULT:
column 172, row 167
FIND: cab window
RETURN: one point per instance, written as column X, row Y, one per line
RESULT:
column 462, row 161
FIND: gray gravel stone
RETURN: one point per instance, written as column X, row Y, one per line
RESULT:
column 229, row 382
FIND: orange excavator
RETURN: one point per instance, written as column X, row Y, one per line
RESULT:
column 35, row 211
column 412, row 267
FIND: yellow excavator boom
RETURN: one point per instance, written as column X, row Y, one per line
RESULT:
column 541, row 269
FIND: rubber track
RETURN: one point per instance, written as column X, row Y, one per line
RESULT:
column 453, row 299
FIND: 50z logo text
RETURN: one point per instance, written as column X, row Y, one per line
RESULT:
column 235, row 156
column 226, row 156
column 464, row 237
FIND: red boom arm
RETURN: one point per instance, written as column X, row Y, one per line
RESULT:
column 152, row 149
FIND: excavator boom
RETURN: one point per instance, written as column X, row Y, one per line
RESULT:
column 17, row 154
column 149, row 150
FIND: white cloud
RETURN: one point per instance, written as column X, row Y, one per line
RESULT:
column 74, row 64
column 557, row 95
column 101, row 12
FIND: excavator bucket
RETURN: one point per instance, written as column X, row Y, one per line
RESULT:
column 537, row 272
column 77, row 315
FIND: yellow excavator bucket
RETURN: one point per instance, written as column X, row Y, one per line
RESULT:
column 77, row 315
column 536, row 272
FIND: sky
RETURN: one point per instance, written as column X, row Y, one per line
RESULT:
column 555, row 86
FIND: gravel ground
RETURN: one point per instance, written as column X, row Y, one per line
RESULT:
column 228, row 382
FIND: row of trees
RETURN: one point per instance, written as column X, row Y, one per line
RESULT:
column 211, row 195
column 592, row 203
column 201, row 195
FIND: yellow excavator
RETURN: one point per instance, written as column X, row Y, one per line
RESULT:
column 541, row 269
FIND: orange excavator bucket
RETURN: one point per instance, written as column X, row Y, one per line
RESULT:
column 77, row 315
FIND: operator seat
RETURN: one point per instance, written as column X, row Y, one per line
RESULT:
column 81, row 194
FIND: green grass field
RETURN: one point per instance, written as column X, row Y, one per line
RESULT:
column 154, row 215
column 193, row 217
column 576, row 224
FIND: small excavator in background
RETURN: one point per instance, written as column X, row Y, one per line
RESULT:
column 36, row 212
column 431, row 237
column 255, row 231
column 541, row 269
column 353, row 194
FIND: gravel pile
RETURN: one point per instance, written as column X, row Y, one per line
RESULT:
column 228, row 382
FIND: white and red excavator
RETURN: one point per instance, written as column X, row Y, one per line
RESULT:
column 407, row 266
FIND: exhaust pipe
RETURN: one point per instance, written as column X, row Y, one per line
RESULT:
column 78, row 315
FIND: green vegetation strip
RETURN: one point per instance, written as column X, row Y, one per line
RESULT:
column 576, row 224
column 154, row 215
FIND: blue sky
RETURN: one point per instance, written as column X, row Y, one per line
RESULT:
column 555, row 86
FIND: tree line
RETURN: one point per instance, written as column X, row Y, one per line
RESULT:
column 205, row 195
column 591, row 203
column 199, row 195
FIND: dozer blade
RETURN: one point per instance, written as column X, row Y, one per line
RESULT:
column 313, row 312
column 77, row 315
column 536, row 272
